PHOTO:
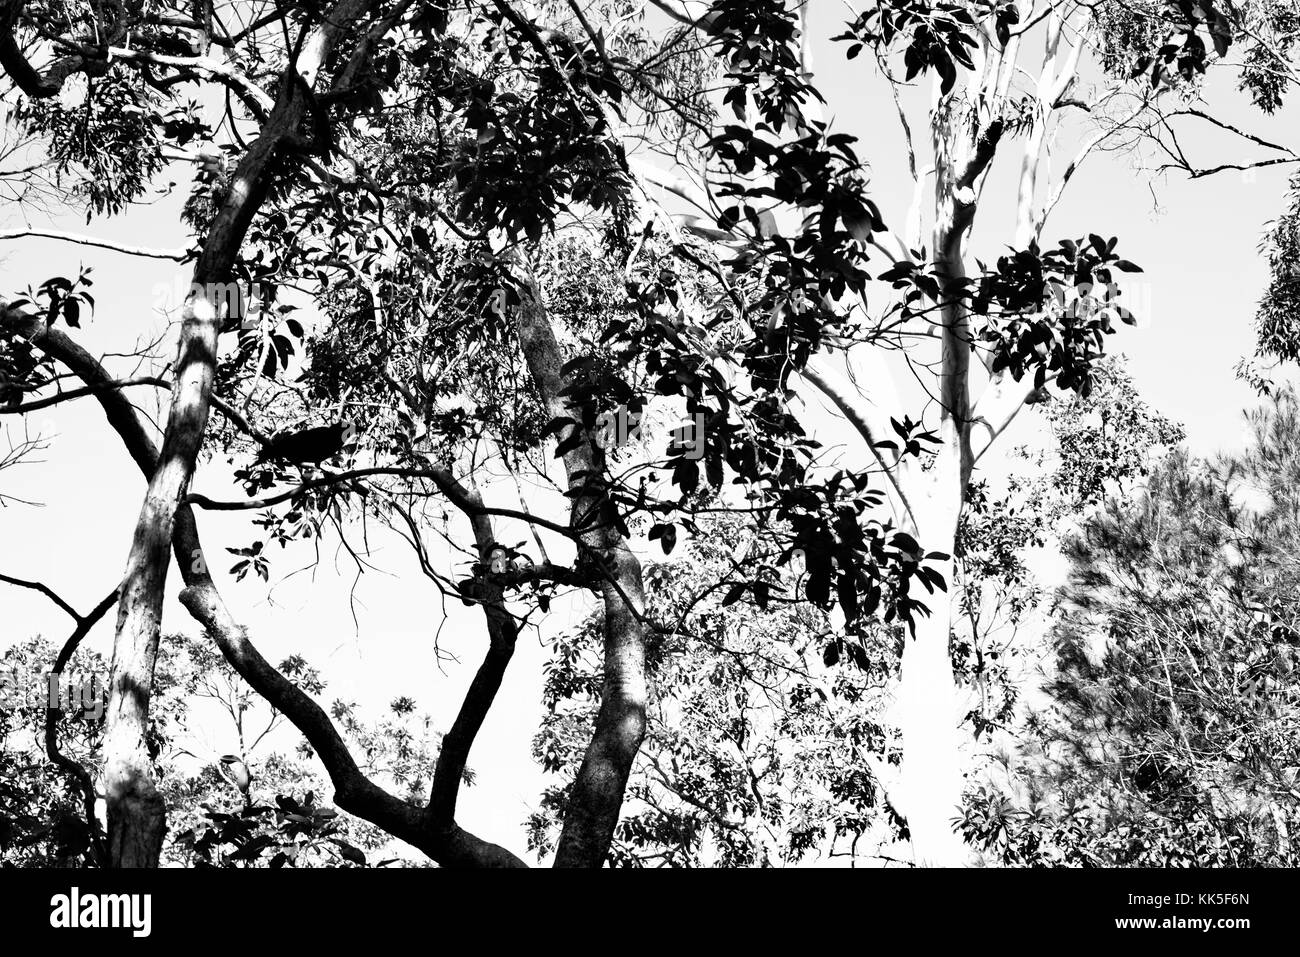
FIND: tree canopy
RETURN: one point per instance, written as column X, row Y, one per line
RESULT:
column 580, row 300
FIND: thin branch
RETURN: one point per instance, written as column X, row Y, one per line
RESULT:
column 85, row 783
column 47, row 591
column 175, row 255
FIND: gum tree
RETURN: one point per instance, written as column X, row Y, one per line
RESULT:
column 405, row 166
column 975, row 338
column 409, row 170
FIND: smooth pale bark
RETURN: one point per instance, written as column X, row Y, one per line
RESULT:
column 927, row 695
column 931, row 779
column 136, row 813
column 597, row 795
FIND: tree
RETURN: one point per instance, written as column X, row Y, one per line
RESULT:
column 46, row 819
column 1032, row 318
column 411, row 171
column 771, row 737
column 474, row 159
column 46, row 815
column 1169, row 739
column 763, row 731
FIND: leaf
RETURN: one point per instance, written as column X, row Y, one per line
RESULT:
column 270, row 363
column 573, row 441
column 859, row 225
column 666, row 533
column 734, row 594
column 847, row 592
column 287, row 804
column 906, row 543
column 350, row 853
column 252, row 850
column 686, row 476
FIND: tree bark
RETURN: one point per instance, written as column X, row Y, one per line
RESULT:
column 931, row 775
column 597, row 795
column 503, row 631
column 136, row 814
column 931, row 771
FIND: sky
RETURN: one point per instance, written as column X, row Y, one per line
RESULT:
column 1197, row 242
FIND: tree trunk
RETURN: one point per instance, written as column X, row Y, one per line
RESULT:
column 932, row 779
column 931, row 772
column 136, row 814
column 597, row 795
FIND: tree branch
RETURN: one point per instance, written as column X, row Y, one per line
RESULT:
column 45, row 590
column 355, row 793
column 175, row 255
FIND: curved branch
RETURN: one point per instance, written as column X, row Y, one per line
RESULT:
column 25, row 77
column 354, row 792
column 828, row 383
column 441, row 477
column 258, row 100
column 85, row 783
column 175, row 255
column 502, row 634
column 45, row 590
column 48, row 401
column 998, row 407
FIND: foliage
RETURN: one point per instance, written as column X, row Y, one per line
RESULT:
column 1170, row 736
column 109, row 145
column 762, row 732
column 1093, row 448
column 42, row 818
column 466, row 169
column 1278, row 337
column 292, row 834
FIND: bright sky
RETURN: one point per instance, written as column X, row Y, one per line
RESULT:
column 1196, row 240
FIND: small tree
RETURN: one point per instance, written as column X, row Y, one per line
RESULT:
column 1171, row 738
